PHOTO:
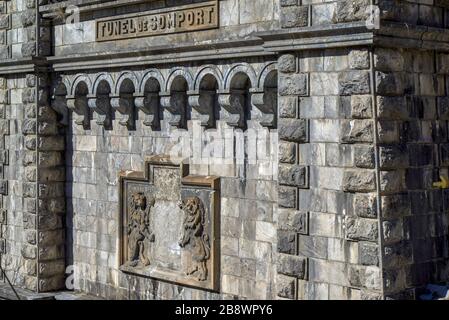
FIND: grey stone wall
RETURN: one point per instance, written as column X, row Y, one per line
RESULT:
column 95, row 154
column 328, row 233
column 348, row 125
column 411, row 102
column 238, row 20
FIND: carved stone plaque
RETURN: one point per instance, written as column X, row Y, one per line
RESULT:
column 169, row 224
column 194, row 17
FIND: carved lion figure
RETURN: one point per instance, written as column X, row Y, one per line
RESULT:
column 139, row 229
column 194, row 236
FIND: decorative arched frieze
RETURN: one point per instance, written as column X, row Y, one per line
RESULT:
column 203, row 98
column 151, row 74
column 98, row 79
column 209, row 70
column 81, row 78
column 264, row 74
column 244, row 68
column 264, row 97
column 126, row 75
column 179, row 72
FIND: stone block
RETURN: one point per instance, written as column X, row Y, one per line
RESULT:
column 353, row 131
column 294, row 16
column 361, row 107
column 358, row 180
column 361, row 229
column 287, row 152
column 364, row 156
column 288, row 106
column 353, row 83
column 286, row 287
column 286, row 242
column 294, row 221
column 394, row 156
column 368, row 254
column 350, row 10
column 365, row 205
column 294, row 130
column 293, row 175
column 365, row 277
column 359, row 59
column 293, row 84
column 287, row 63
column 292, row 266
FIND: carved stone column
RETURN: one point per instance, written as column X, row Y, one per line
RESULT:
column 124, row 104
column 234, row 104
column 203, row 102
column 149, row 104
column 80, row 110
column 265, row 101
column 175, row 104
column 102, row 109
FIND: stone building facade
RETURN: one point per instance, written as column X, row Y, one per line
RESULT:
column 253, row 149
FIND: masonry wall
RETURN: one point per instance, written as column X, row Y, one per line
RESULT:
column 238, row 18
column 96, row 154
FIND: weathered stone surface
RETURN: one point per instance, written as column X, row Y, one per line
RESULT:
column 292, row 266
column 358, row 180
column 286, row 242
column 287, row 63
column 367, row 277
column 287, row 152
column 364, row 156
column 368, row 254
column 293, row 84
column 356, row 131
column 293, row 16
column 354, row 82
column 294, row 130
column 292, row 220
column 348, row 11
column 286, row 287
column 293, row 175
column 365, row 205
column 361, row 229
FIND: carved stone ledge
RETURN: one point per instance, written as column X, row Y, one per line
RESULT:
column 204, row 103
column 80, row 110
column 266, row 102
column 149, row 105
column 175, row 104
column 234, row 104
column 102, row 109
column 59, row 105
column 124, row 104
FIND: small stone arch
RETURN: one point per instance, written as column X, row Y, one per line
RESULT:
column 82, row 78
column 266, row 72
column 126, row 75
column 209, row 70
column 151, row 74
column 102, row 77
column 179, row 72
column 240, row 68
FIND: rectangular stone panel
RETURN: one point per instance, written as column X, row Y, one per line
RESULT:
column 160, row 22
column 169, row 224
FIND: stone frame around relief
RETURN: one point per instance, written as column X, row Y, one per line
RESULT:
column 190, row 190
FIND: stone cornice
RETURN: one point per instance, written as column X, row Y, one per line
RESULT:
column 267, row 43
